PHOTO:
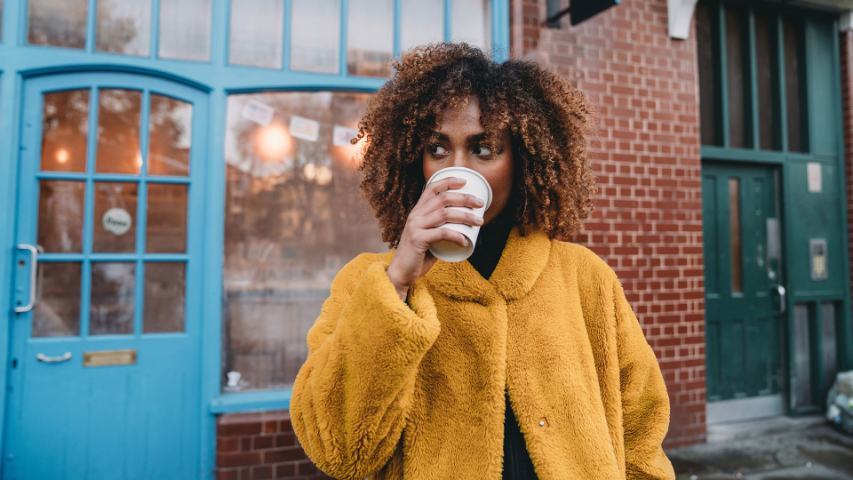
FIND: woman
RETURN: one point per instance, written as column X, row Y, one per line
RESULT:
column 526, row 360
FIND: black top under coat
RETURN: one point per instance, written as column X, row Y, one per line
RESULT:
column 490, row 244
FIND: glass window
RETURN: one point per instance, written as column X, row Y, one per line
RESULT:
column 256, row 33
column 112, row 304
column 767, row 76
column 124, row 26
column 422, row 21
column 59, row 23
column 370, row 37
column 185, row 29
column 119, row 114
column 65, row 123
column 169, row 136
column 734, row 234
column 735, row 48
column 315, row 35
column 707, row 54
column 471, row 22
column 294, row 216
column 57, row 311
column 164, row 297
column 60, row 221
column 114, row 228
column 795, row 84
column 166, row 229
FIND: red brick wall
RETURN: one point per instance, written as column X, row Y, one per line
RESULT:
column 648, row 219
column 846, row 43
column 261, row 445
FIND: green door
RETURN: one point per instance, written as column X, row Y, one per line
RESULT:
column 743, row 281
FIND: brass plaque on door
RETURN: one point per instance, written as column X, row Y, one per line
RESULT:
column 109, row 357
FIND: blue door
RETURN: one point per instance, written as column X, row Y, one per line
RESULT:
column 105, row 355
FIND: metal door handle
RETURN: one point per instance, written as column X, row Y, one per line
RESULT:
column 61, row 358
column 34, row 261
column 781, row 291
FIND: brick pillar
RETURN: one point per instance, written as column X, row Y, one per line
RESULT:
column 647, row 222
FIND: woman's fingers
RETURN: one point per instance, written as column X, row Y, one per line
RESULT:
column 451, row 215
column 432, row 235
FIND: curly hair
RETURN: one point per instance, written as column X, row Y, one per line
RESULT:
column 548, row 121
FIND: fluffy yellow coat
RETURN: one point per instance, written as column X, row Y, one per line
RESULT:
column 415, row 389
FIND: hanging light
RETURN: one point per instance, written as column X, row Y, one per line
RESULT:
column 273, row 142
column 62, row 156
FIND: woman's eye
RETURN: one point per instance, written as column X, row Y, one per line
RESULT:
column 482, row 151
column 437, row 149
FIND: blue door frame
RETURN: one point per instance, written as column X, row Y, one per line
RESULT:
column 20, row 63
column 134, row 420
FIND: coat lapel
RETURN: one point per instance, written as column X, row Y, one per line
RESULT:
column 520, row 264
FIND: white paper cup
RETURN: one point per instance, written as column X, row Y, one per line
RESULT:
column 475, row 185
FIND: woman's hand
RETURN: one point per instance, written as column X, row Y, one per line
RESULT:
column 423, row 228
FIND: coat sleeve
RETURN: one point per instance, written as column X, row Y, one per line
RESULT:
column 645, row 402
column 352, row 395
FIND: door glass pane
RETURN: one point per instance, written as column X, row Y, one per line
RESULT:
column 167, row 218
column 65, row 122
column 828, row 343
column 57, row 309
column 185, row 29
column 112, row 304
column 370, row 37
column 60, row 220
column 315, row 35
column 256, row 33
column 114, row 226
column 59, row 23
column 802, row 388
column 293, row 217
column 766, row 73
column 169, row 136
column 707, row 54
column 471, row 22
column 124, row 26
column 795, row 85
column 164, row 297
column 734, row 233
column 735, row 47
column 422, row 21
column 118, row 131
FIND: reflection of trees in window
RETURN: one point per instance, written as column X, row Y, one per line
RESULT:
column 124, row 26
column 62, row 23
column 294, row 216
column 170, row 136
column 65, row 120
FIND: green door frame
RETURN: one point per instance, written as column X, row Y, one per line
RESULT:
column 825, row 143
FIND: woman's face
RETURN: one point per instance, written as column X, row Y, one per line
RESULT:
column 458, row 143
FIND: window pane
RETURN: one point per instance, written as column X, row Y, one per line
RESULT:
column 795, row 85
column 734, row 233
column 167, row 218
column 422, row 22
column 114, row 226
column 118, row 131
column 828, row 342
column 471, row 22
column 708, row 56
column 60, row 23
column 169, row 136
column 124, row 26
column 60, row 228
column 315, row 35
column 64, row 126
column 370, row 37
column 736, row 77
column 293, row 217
column 802, row 388
column 256, row 33
column 185, row 29
column 164, row 297
column 57, row 309
column 765, row 57
column 112, row 304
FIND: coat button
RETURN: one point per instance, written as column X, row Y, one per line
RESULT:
column 542, row 422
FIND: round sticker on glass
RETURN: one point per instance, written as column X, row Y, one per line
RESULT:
column 117, row 221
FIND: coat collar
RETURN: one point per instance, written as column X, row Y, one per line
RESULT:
column 521, row 262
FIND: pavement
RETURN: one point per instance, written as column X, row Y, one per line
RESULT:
column 777, row 448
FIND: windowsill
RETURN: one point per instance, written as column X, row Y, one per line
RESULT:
column 251, row 401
